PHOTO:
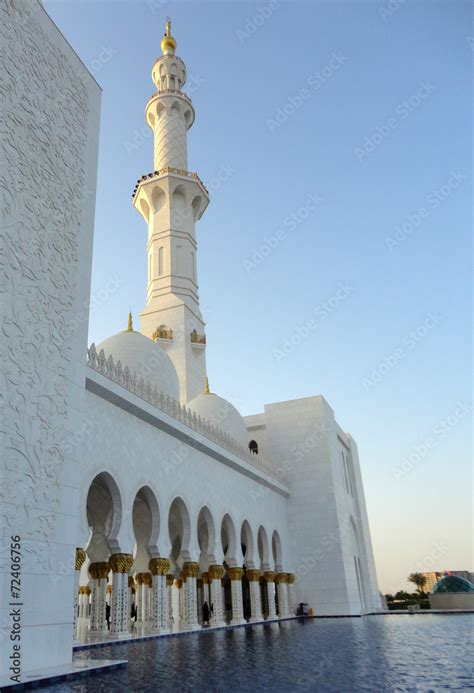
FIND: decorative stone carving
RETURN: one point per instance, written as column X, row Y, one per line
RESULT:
column 159, row 566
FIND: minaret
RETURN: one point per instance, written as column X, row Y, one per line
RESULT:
column 171, row 200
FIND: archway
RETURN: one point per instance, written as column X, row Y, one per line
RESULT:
column 276, row 551
column 179, row 527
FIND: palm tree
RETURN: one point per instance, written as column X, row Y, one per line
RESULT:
column 419, row 580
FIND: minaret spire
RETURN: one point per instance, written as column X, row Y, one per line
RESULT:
column 171, row 200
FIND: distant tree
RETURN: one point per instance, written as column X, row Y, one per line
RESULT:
column 389, row 597
column 419, row 580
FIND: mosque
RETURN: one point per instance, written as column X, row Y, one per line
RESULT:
column 143, row 502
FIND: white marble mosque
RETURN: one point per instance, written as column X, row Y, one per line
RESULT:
column 143, row 501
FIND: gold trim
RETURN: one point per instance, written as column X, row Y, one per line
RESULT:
column 159, row 566
column 80, row 558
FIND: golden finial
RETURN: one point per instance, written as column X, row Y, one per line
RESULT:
column 168, row 43
column 206, row 387
column 130, row 322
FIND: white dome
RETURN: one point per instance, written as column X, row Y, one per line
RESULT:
column 145, row 358
column 222, row 414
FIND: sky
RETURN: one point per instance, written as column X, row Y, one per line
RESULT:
column 335, row 256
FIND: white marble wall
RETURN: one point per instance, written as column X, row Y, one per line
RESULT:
column 302, row 440
column 48, row 150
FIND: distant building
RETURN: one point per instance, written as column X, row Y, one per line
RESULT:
column 434, row 577
column 453, row 593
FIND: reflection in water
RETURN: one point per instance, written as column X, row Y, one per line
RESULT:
column 374, row 653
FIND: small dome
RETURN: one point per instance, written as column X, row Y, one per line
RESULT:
column 221, row 414
column 145, row 358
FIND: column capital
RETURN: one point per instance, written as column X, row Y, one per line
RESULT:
column 216, row 572
column 235, row 573
column 159, row 566
column 179, row 583
column 253, row 575
column 205, row 578
column 190, row 569
column 269, row 576
column 169, row 580
column 131, row 582
column 109, row 589
column 144, row 579
column 121, row 562
column 97, row 571
column 281, row 577
column 291, row 578
column 80, row 558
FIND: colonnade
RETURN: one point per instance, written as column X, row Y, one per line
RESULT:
column 163, row 601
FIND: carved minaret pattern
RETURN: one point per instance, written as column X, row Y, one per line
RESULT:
column 171, row 200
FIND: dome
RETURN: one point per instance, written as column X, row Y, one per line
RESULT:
column 220, row 413
column 145, row 358
column 453, row 583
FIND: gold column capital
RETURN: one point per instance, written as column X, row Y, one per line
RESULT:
column 235, row 573
column 179, row 583
column 216, row 572
column 131, row 582
column 159, row 566
column 80, row 558
column 205, row 578
column 169, row 580
column 253, row 575
column 98, row 571
column 121, row 562
column 291, row 578
column 190, row 569
column 269, row 576
column 281, row 578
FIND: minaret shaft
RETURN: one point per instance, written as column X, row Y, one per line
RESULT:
column 171, row 200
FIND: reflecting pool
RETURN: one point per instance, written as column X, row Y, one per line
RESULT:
column 375, row 653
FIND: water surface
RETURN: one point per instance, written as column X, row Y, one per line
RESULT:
column 374, row 653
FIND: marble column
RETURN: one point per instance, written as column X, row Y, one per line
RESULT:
column 169, row 593
column 189, row 574
column 216, row 573
column 98, row 573
column 236, row 575
column 119, row 605
column 291, row 594
column 269, row 576
column 281, row 580
column 159, row 618
column 80, row 558
column 179, row 587
column 255, row 601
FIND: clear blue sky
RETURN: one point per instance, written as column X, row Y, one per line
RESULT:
column 369, row 112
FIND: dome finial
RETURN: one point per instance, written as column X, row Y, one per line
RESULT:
column 206, row 387
column 168, row 43
column 130, row 322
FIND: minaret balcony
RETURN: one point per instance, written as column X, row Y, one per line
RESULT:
column 164, row 172
column 198, row 340
column 163, row 335
column 173, row 92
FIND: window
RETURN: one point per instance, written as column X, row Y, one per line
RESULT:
column 253, row 447
column 160, row 260
column 346, row 477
